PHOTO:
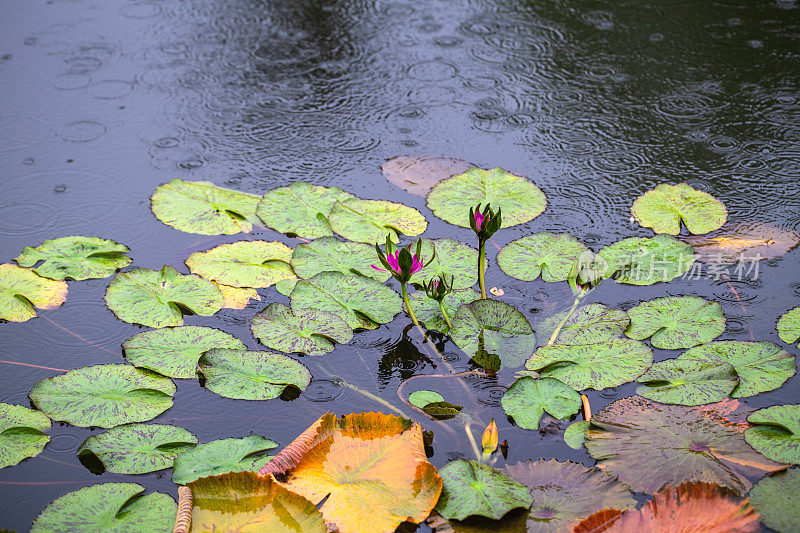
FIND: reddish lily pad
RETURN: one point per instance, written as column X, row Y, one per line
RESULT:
column 418, row 174
column 745, row 242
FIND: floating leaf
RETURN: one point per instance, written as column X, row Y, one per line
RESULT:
column 519, row 198
column 761, row 366
column 245, row 501
column 777, row 500
column 649, row 445
column 247, row 375
column 429, row 313
column 108, row 507
column 589, row 324
column 664, row 207
column 593, row 366
column 688, row 382
column 202, row 207
column 135, row 448
column 472, row 488
column 789, row 326
column 21, row 290
column 528, row 399
column 76, row 257
column 21, row 433
column 421, row 398
column 746, row 242
column 494, row 328
column 361, row 302
column 418, row 174
column 643, row 261
column 103, row 395
column 676, row 322
column 453, row 258
column 329, row 254
column 174, row 352
column 776, row 433
column 256, row 264
column 286, row 286
column 154, row 297
column 309, row 331
column 575, row 434
column 433, row 404
column 564, row 493
column 301, row 209
column 550, row 255
column 235, row 297
column 371, row 221
column 220, row 457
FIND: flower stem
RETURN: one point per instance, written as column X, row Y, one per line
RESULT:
column 578, row 299
column 444, row 314
column 482, row 267
column 407, row 303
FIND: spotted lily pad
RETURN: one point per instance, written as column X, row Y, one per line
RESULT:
column 418, row 174
column 666, row 206
column 371, row 221
column 301, row 209
column 329, row 254
column 103, row 395
column 527, row 400
column 589, row 324
column 688, row 382
column 776, row 433
column 429, row 313
column 789, row 326
column 549, row 255
column 76, row 258
column 222, row 456
column 22, row 290
column 202, row 207
column 644, row 261
column 309, row 331
column 154, row 297
column 676, row 322
column 135, row 448
column 174, row 352
column 475, row 489
column 593, row 366
column 745, row 242
column 247, row 375
column 777, row 500
column 453, row 258
column 519, row 198
column 256, row 264
column 21, row 433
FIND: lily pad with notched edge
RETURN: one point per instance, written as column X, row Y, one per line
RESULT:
column 664, row 207
column 453, row 258
column 237, row 297
column 643, row 261
column 418, row 174
column 22, row 290
column 430, row 315
column 550, row 255
column 309, row 331
column 371, row 221
column 221, row 456
column 747, row 242
column 76, row 257
column 103, row 395
column 202, row 207
column 154, row 298
column 329, row 254
column 676, row 322
column 247, row 375
column 589, row 324
column 575, row 434
column 21, row 433
column 527, row 400
column 518, row 197
column 776, row 433
column 135, row 448
column 789, row 326
column 256, row 264
column 777, row 500
column 300, row 208
column 688, row 382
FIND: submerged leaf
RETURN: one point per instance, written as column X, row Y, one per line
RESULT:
column 309, row 331
column 745, row 242
column 371, row 221
column 256, row 264
column 418, row 174
column 776, row 433
column 550, row 255
column 430, row 314
column 329, row 254
column 643, row 261
column 789, row 326
column 664, row 207
column 453, row 258
column 76, row 257
column 528, row 399
column 21, row 290
column 589, row 324
column 301, row 209
column 777, row 499
column 220, row 457
column 688, row 382
column 21, row 433
column 676, row 322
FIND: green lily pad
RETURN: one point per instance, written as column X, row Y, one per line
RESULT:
column 202, row 207
column 494, row 328
column 475, row 489
column 550, row 255
column 527, row 400
column 371, row 221
column 174, row 352
column 593, row 366
column 518, row 197
column 154, row 297
column 676, row 322
column 565, row 493
column 256, row 264
column 22, row 290
column 777, row 500
column 247, row 375
column 222, row 456
column 664, row 207
column 688, row 382
column 575, row 434
column 286, row 286
column 76, row 257
column 329, row 254
column 453, row 258
column 761, row 366
column 301, row 209
column 589, row 324
column 430, row 315
column 309, row 331
column 108, row 507
column 421, row 398
column 789, row 326
column 643, row 261
column 361, row 302
column 103, row 395
column 776, row 433
column 21, row 433
column 135, row 448
column 434, row 404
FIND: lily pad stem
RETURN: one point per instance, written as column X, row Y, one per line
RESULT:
column 482, row 267
column 407, row 303
column 471, row 437
column 367, row 394
column 444, row 314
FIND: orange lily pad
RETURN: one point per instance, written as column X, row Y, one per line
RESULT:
column 22, row 290
column 419, row 173
column 746, row 242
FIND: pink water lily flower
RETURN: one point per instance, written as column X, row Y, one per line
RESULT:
column 479, row 220
column 394, row 262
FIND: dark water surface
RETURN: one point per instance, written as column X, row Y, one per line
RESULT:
column 596, row 102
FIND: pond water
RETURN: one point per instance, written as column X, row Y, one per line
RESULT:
column 595, row 101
